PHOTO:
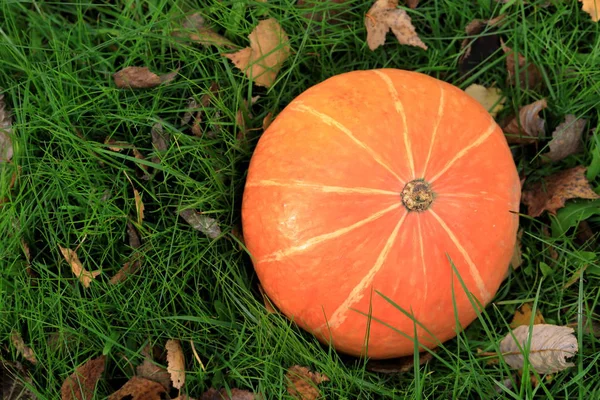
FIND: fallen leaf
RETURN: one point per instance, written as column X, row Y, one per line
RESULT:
column 490, row 98
column 517, row 258
column 139, row 389
column 267, row 121
column 268, row 303
column 13, row 379
column 160, row 141
column 19, row 344
column 207, row 225
column 383, row 16
column 412, row 3
column 140, row 78
column 150, row 370
column 129, row 268
column 566, row 138
column 84, row 276
column 528, row 74
column 236, row 394
column 195, row 29
column 558, row 188
column 81, row 383
column 269, row 48
column 138, row 155
column 523, row 316
column 175, row 363
column 398, row 365
column 592, row 7
column 191, row 108
column 479, row 47
column 550, row 346
column 528, row 126
column 302, row 383
column 6, row 147
column 139, row 206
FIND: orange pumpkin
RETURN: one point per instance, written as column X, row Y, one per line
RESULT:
column 371, row 183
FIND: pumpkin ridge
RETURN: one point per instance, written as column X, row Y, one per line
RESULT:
column 493, row 126
column 326, row 119
column 295, row 184
column 440, row 114
column 279, row 254
column 483, row 292
column 357, row 293
column 400, row 110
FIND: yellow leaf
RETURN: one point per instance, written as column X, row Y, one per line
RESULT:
column 139, row 206
column 269, row 48
column 523, row 316
column 490, row 98
column 84, row 276
column 592, row 7
column 175, row 363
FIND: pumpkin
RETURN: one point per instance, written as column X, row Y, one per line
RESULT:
column 379, row 209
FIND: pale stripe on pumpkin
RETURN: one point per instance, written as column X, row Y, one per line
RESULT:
column 279, row 254
column 295, row 184
column 465, row 150
column 358, row 292
column 400, row 110
column 483, row 292
column 436, row 126
column 326, row 119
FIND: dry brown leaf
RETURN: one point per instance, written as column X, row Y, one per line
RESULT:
column 566, row 138
column 558, row 188
column 84, row 276
column 383, row 16
column 302, row 383
column 412, row 3
column 528, row 126
column 517, row 258
column 207, row 225
column 150, row 370
column 269, row 48
column 528, row 75
column 139, row 206
column 575, row 277
column 550, row 346
column 268, row 303
column 398, row 365
column 195, row 29
column 236, row 394
column 140, row 78
column 175, row 363
column 478, row 48
column 6, row 147
column 490, row 98
column 19, row 344
column 592, row 7
column 139, row 389
column 129, row 268
column 523, row 316
column 81, row 383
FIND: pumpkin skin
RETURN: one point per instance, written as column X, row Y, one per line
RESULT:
column 326, row 216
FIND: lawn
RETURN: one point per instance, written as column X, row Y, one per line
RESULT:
column 106, row 173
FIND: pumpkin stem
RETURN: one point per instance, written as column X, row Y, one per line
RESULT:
column 417, row 195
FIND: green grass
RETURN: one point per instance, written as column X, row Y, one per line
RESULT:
column 56, row 62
